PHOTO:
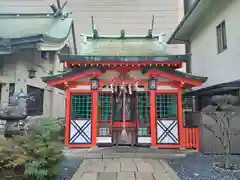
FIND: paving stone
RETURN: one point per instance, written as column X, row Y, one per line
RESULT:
column 95, row 165
column 156, row 165
column 144, row 167
column 107, row 176
column 169, row 170
column 161, row 176
column 126, row 176
column 113, row 166
column 127, row 165
column 144, row 176
column 81, row 170
column 89, row 176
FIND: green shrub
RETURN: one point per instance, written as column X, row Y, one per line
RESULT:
column 12, row 154
column 44, row 150
column 39, row 152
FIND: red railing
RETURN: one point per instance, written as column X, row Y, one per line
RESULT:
column 191, row 138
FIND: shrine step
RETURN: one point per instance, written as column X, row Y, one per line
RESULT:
column 115, row 153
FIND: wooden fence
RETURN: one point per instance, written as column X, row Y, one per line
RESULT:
column 191, row 138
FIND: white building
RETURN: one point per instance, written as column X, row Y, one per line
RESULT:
column 212, row 30
column 29, row 44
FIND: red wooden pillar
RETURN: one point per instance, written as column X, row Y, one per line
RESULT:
column 67, row 116
column 180, row 117
column 94, row 116
column 153, row 118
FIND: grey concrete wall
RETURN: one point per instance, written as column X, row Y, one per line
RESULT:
column 111, row 16
column 16, row 68
column 210, row 144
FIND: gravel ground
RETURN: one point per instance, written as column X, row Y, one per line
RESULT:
column 69, row 166
column 199, row 167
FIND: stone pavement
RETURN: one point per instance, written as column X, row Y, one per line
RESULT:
column 124, row 169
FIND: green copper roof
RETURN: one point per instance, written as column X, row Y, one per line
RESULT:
column 132, row 46
column 45, row 31
column 24, row 26
column 69, row 73
column 144, row 70
column 176, row 72
column 87, row 58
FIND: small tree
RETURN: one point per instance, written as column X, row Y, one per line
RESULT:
column 223, row 109
column 37, row 154
column 44, row 150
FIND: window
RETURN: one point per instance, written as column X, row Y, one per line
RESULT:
column 11, row 91
column 35, row 102
column 81, row 106
column 166, row 106
column 221, row 37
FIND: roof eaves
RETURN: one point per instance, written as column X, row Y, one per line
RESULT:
column 178, row 73
column 69, row 73
column 102, row 37
column 165, row 58
column 26, row 15
column 22, row 40
column 194, row 6
column 226, row 86
column 49, row 35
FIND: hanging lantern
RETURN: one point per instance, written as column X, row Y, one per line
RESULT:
column 31, row 73
column 94, row 83
column 152, row 84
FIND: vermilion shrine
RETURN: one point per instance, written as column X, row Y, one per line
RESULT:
column 124, row 90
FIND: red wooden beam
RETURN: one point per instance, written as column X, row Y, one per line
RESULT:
column 87, row 73
column 159, row 73
column 175, row 64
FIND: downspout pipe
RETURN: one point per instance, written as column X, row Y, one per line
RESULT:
column 74, row 38
column 187, row 51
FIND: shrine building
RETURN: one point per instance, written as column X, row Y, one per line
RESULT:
column 125, row 90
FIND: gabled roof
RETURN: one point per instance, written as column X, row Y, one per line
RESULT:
column 198, row 13
column 122, row 46
column 122, row 49
column 144, row 70
column 43, row 31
